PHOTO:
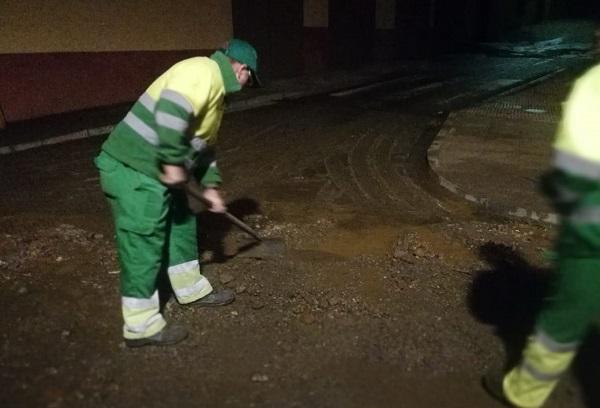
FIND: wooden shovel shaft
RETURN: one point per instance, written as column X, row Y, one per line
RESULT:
column 242, row 225
column 192, row 189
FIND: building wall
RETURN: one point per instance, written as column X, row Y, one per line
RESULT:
column 316, row 13
column 316, row 35
column 385, row 45
column 352, row 32
column 503, row 17
column 275, row 28
column 414, row 27
column 64, row 55
column 59, row 56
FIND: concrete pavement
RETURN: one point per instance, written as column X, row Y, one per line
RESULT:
column 493, row 154
column 99, row 122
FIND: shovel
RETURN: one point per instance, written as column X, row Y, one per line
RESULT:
column 260, row 248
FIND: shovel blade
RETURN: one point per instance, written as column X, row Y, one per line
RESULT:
column 266, row 248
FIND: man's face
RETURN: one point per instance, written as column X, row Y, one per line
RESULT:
column 242, row 73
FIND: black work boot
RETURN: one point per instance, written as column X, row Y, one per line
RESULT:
column 492, row 384
column 220, row 298
column 171, row 334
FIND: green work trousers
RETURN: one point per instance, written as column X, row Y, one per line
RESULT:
column 155, row 233
column 574, row 303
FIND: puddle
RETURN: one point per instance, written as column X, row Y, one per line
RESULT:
column 370, row 241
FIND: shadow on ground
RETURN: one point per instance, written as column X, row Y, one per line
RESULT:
column 509, row 296
column 213, row 233
column 587, row 368
column 214, row 229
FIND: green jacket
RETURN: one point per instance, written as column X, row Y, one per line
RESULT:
column 176, row 120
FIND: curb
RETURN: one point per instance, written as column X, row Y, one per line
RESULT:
column 82, row 134
column 486, row 203
column 235, row 106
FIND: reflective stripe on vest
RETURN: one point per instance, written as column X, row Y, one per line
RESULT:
column 178, row 99
column 141, row 128
column 171, row 122
column 576, row 165
column 585, row 215
column 147, row 101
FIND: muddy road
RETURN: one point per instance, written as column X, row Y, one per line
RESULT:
column 391, row 292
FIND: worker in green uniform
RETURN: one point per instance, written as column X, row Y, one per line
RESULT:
column 573, row 185
column 166, row 138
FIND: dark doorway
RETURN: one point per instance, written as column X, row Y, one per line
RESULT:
column 584, row 9
column 458, row 24
column 352, row 30
column 415, row 21
column 274, row 27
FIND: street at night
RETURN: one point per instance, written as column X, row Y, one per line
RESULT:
column 417, row 247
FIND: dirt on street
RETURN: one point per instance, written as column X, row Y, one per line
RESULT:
column 391, row 293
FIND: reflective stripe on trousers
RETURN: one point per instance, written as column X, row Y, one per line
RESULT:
column 187, row 282
column 142, row 317
column 544, row 361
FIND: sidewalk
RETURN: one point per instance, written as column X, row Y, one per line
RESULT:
column 95, row 122
column 493, row 154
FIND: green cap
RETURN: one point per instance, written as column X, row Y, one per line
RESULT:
column 243, row 52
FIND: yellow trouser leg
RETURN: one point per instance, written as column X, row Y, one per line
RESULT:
column 544, row 361
column 142, row 317
column 187, row 282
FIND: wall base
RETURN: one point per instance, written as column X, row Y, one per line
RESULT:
column 40, row 84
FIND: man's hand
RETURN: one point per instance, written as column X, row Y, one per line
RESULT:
column 172, row 175
column 214, row 200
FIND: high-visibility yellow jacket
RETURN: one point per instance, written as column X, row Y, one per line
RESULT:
column 577, row 145
column 176, row 119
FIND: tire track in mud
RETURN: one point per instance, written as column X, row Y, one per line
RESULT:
column 392, row 169
column 372, row 147
column 373, row 173
column 392, row 173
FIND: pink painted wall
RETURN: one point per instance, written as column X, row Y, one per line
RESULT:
column 40, row 84
column 59, row 56
column 315, row 48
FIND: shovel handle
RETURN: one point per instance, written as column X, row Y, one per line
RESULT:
column 192, row 189
column 242, row 225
